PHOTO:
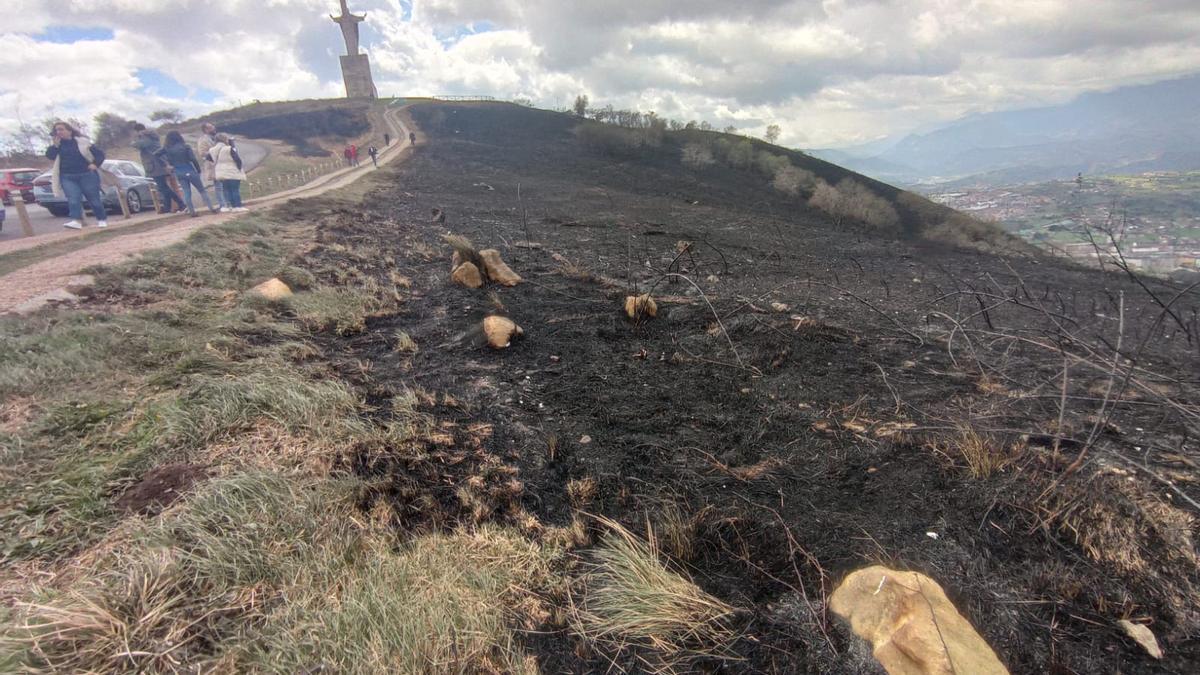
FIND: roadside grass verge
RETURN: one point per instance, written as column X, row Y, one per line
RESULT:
column 284, row 557
column 116, row 390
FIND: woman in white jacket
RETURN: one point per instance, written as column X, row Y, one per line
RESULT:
column 227, row 171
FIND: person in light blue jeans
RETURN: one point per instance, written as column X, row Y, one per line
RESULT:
column 76, row 173
column 183, row 162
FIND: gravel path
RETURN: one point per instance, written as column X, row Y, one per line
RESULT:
column 30, row 287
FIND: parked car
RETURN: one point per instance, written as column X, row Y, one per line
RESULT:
column 17, row 180
column 129, row 175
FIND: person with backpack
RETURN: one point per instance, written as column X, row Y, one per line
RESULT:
column 147, row 144
column 227, row 170
column 208, row 138
column 412, row 138
column 182, row 159
column 374, row 153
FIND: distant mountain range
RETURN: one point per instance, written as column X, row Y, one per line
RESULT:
column 1154, row 127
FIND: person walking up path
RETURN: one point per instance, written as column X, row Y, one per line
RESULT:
column 76, row 173
column 227, row 170
column 353, row 155
column 208, row 138
column 147, row 144
column 374, row 153
column 183, row 162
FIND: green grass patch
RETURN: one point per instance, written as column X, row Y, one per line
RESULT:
column 263, row 573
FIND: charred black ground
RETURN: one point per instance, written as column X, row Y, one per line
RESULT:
column 828, row 437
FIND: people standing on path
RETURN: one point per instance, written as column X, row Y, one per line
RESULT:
column 208, row 138
column 353, row 155
column 374, row 153
column 227, row 169
column 186, row 167
column 76, row 173
column 147, row 144
column 387, row 140
column 346, row 154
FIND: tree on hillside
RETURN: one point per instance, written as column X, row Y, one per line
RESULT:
column 730, row 129
column 169, row 115
column 773, row 132
column 581, row 105
column 111, row 130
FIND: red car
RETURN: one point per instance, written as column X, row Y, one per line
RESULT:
column 17, row 180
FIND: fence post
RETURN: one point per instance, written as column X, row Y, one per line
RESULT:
column 157, row 200
column 113, row 181
column 22, row 214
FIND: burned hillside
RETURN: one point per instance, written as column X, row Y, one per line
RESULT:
column 550, row 398
column 813, row 396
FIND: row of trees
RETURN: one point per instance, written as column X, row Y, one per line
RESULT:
column 633, row 119
column 107, row 130
column 847, row 200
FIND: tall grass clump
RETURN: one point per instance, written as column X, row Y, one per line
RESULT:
column 628, row 597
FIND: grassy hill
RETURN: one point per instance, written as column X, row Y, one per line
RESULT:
column 348, row 479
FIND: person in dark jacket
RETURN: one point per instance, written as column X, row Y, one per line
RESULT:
column 374, row 153
column 76, row 173
column 147, row 144
column 183, row 162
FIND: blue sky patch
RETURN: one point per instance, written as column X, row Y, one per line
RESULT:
column 65, row 35
column 156, row 82
column 465, row 30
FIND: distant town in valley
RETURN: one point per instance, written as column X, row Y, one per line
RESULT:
column 1153, row 218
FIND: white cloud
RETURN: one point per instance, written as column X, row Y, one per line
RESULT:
column 828, row 71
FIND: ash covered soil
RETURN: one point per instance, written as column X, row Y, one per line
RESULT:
column 806, row 402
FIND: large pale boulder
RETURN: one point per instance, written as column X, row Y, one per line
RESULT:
column 467, row 274
column 497, row 270
column 911, row 625
column 641, row 306
column 500, row 331
column 272, row 289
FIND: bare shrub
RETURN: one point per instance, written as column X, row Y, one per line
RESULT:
column 617, row 141
column 740, row 155
column 940, row 223
column 792, row 180
column 696, row 156
column 855, row 201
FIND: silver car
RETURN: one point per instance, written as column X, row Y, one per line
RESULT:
column 129, row 176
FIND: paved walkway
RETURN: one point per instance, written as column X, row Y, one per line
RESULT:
column 31, row 286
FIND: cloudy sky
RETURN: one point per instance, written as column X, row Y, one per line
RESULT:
column 829, row 72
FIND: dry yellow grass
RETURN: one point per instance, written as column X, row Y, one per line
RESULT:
column 629, row 597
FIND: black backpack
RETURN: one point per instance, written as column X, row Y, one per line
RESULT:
column 237, row 159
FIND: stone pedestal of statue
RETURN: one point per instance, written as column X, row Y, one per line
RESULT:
column 356, row 73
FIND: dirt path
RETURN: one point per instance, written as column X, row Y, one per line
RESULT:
column 31, row 286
